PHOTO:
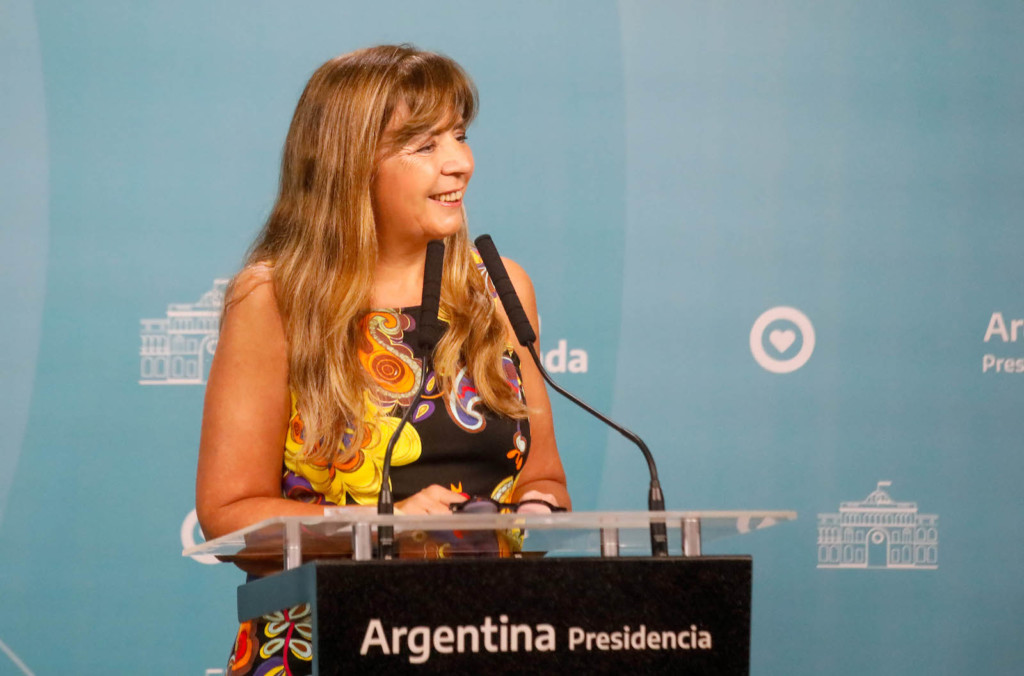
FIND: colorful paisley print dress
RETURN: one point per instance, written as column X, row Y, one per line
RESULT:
column 451, row 439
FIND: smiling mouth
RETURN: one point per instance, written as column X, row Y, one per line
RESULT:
column 449, row 198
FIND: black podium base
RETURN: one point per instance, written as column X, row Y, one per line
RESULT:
column 502, row 616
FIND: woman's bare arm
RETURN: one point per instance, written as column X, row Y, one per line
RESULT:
column 245, row 415
column 543, row 470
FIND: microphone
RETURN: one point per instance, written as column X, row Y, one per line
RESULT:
column 431, row 328
column 526, row 337
column 428, row 333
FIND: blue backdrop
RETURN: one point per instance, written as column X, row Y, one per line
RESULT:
column 780, row 240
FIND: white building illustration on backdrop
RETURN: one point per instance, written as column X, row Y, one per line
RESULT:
column 878, row 532
column 177, row 349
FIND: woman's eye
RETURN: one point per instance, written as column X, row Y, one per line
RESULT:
column 426, row 147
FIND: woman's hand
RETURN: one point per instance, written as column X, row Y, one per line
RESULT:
column 433, row 499
column 537, row 508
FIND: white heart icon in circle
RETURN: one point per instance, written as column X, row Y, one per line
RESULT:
column 781, row 340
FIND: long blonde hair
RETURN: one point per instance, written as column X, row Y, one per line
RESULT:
column 321, row 239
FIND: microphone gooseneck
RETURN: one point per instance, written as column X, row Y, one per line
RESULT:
column 428, row 333
column 527, row 337
column 385, row 501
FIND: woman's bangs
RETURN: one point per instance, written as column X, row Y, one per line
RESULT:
column 439, row 96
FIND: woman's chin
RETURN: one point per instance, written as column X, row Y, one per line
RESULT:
column 443, row 230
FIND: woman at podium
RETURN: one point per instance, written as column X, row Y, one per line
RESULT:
column 315, row 363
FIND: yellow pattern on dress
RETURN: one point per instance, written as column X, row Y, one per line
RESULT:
column 359, row 477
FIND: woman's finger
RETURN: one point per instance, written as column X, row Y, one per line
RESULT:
column 433, row 499
column 537, row 495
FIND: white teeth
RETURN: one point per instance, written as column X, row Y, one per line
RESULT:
column 453, row 196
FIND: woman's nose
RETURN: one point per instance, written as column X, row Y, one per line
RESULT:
column 458, row 158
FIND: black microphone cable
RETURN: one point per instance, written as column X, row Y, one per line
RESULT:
column 527, row 337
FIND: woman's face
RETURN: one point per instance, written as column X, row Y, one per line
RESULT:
column 417, row 192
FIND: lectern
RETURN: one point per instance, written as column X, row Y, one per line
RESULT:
column 506, row 593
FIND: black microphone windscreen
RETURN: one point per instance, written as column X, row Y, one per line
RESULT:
column 431, row 329
column 506, row 291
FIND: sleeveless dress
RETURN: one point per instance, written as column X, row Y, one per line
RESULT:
column 450, row 439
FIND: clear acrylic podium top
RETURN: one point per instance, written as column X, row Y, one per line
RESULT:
column 349, row 533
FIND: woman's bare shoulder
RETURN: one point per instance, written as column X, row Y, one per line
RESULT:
column 253, row 278
column 251, row 313
column 253, row 286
